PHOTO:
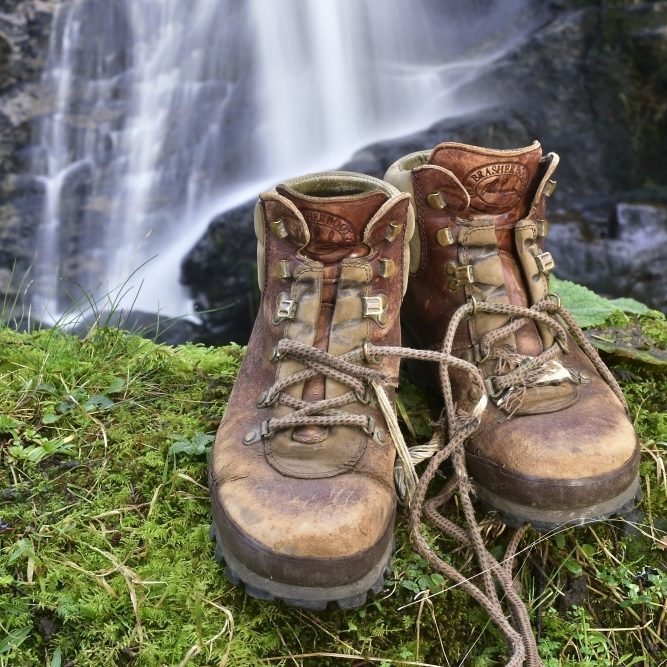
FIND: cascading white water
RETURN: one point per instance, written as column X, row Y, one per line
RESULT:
column 165, row 113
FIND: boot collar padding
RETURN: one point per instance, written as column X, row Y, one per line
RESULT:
column 551, row 161
column 342, row 185
column 400, row 174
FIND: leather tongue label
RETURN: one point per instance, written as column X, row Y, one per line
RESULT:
column 328, row 232
column 497, row 185
column 498, row 181
column 336, row 222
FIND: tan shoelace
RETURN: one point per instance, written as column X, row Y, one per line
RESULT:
column 496, row 575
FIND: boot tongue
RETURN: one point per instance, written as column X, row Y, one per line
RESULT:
column 498, row 182
column 336, row 223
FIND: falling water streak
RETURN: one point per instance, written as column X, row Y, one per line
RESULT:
column 168, row 82
column 56, row 171
column 190, row 103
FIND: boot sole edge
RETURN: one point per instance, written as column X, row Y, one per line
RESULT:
column 545, row 520
column 348, row 596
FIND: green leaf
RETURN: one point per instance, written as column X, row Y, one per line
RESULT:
column 50, row 418
column 410, row 585
column 22, row 549
column 628, row 305
column 573, row 566
column 588, row 550
column 98, row 402
column 8, row 424
column 35, row 454
column 65, row 406
column 17, row 452
column 202, row 439
column 117, row 385
column 57, row 658
column 588, row 308
column 199, row 445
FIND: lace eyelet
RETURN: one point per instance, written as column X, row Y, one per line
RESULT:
column 263, row 432
column 369, row 429
column 477, row 353
column 265, row 401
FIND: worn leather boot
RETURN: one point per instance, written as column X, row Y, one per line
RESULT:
column 301, row 481
column 555, row 445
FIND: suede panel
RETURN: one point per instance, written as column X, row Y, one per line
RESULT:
column 528, row 247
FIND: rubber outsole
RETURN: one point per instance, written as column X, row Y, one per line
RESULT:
column 349, row 596
column 544, row 521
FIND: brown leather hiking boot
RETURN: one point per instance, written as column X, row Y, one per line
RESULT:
column 555, row 445
column 301, row 480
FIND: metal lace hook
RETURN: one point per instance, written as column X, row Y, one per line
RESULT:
column 552, row 296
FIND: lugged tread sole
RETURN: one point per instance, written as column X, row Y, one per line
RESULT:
column 346, row 597
column 545, row 521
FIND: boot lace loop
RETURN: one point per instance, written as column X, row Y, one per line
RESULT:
column 516, row 372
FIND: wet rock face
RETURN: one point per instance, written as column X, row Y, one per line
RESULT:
column 24, row 35
column 589, row 85
column 221, row 271
column 626, row 256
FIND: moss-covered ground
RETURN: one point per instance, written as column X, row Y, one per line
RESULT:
column 105, row 557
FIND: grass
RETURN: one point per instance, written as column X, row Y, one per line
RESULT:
column 105, row 557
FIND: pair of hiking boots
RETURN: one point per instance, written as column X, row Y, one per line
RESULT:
column 451, row 243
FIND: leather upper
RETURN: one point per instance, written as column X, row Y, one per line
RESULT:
column 480, row 238
column 326, row 242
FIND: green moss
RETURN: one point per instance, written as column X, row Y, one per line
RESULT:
column 105, row 557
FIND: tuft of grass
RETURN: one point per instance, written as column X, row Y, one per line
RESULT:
column 105, row 557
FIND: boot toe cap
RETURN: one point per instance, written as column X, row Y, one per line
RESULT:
column 324, row 532
column 575, row 458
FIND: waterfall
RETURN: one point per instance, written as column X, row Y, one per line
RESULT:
column 163, row 113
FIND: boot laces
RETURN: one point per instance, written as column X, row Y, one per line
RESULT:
column 366, row 383
column 514, row 373
column 496, row 593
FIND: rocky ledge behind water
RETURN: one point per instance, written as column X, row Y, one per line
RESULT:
column 590, row 85
column 625, row 255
